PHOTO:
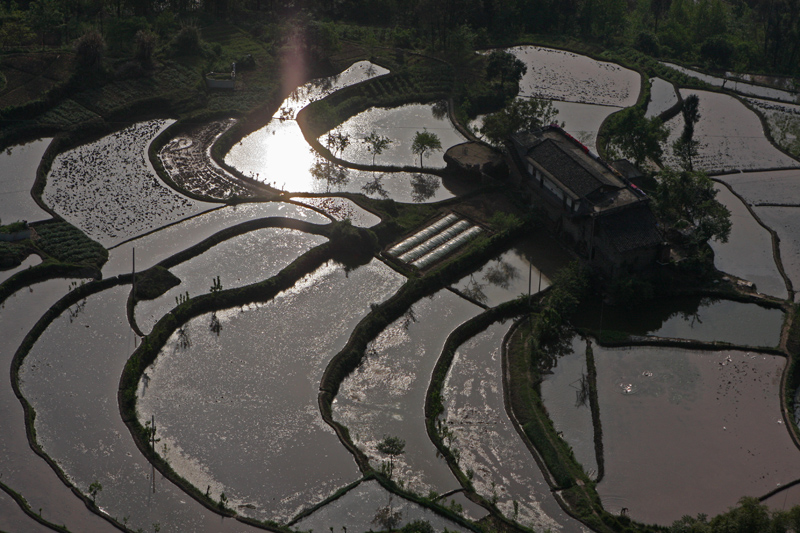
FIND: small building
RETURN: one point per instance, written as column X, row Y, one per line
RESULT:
column 586, row 201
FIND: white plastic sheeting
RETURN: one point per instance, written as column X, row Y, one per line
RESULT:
column 447, row 247
column 423, row 235
column 436, row 240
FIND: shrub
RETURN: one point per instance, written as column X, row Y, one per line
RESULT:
column 145, row 42
column 187, row 40
column 90, row 50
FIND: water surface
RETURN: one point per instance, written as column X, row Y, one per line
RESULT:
column 562, row 75
column 488, row 444
column 690, row 317
column 157, row 246
column 239, row 261
column 361, row 509
column 20, row 467
column 238, row 411
column 786, row 223
column 18, row 165
column 748, row 252
column 71, row 377
column 737, row 86
column 386, row 395
column 109, row 190
column 662, row 97
column 31, row 260
column 689, row 432
column 731, row 137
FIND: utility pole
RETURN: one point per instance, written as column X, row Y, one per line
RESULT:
column 153, row 445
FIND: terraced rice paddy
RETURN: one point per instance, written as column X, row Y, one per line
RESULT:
column 109, row 189
column 18, row 167
column 730, row 135
column 727, row 400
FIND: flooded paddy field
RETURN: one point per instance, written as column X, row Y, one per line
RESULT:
column 690, row 317
column 386, row 395
column 785, row 499
column 662, row 97
column 731, row 137
column 13, row 519
column 780, row 187
column 157, row 246
column 571, row 414
column 18, row 167
column 238, row 261
column 366, row 508
column 786, row 223
column 342, row 209
column 783, row 121
column 31, row 260
column 278, row 154
column 70, row 378
column 688, row 432
column 748, row 252
column 109, row 190
column 487, row 442
column 561, row 75
column 742, row 87
column 20, row 468
column 400, row 124
column 538, row 257
column 187, row 159
column 238, row 411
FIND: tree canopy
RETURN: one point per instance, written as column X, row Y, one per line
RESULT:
column 425, row 143
column 520, row 115
column 687, row 201
column 631, row 135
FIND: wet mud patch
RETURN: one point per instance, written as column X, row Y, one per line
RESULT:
column 18, row 166
column 748, row 252
column 237, row 262
column 688, row 432
column 369, row 507
column 476, row 425
column 731, row 137
column 385, row 396
column 238, row 405
column 109, row 189
column 562, row 75
column 188, row 162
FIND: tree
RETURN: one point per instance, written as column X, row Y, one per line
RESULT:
column 94, row 489
column 504, row 67
column 376, row 144
column 425, row 143
column 635, row 137
column 686, row 147
column 337, row 142
column 519, row 115
column 90, row 49
column 393, row 447
column 687, row 201
column 145, row 41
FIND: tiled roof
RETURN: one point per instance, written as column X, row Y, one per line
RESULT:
column 630, row 229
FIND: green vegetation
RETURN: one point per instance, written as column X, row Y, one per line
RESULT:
column 68, row 244
column 424, row 144
column 393, row 447
column 519, row 115
column 154, row 282
column 629, row 134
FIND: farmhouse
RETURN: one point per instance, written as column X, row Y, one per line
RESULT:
column 586, row 201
